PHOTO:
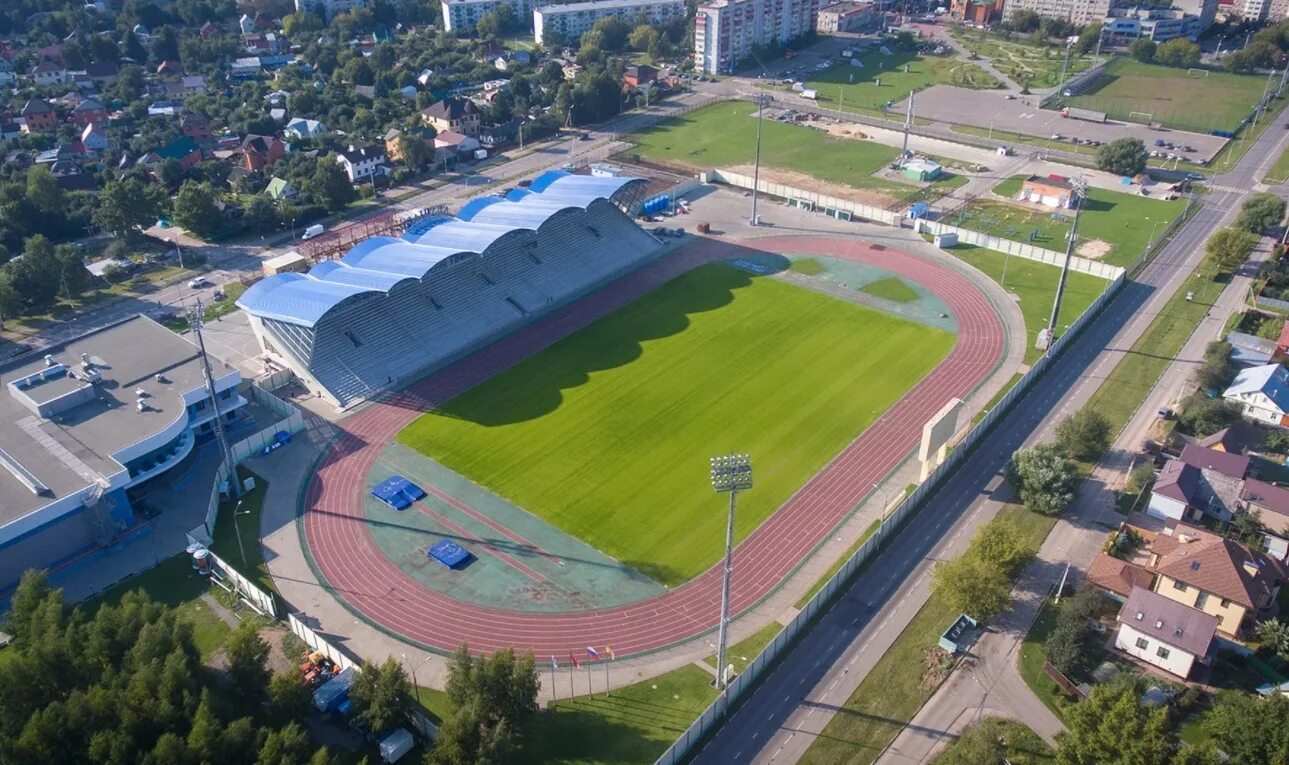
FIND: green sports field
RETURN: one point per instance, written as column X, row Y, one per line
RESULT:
column 1198, row 102
column 607, row 434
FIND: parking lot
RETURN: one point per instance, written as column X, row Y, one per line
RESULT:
column 1021, row 115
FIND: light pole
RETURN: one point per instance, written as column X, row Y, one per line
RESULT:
column 1151, row 240
column 761, row 100
column 237, row 526
column 881, row 511
column 1079, row 190
column 730, row 475
column 412, row 670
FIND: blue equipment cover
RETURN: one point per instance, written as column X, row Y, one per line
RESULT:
column 331, row 694
column 397, row 492
column 448, row 553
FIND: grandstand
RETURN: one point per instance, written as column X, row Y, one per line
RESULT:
column 393, row 309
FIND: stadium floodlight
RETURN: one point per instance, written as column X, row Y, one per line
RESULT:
column 762, row 100
column 1079, row 190
column 730, row 475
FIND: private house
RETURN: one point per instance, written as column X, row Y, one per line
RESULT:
column 183, row 150
column 1262, row 393
column 189, row 85
column 48, row 73
column 636, row 75
column 300, row 129
column 1250, row 350
column 362, row 162
column 257, row 152
column 455, row 114
column 1165, row 633
column 499, row 135
column 393, row 141
column 1049, row 192
column 38, row 116
column 102, row 73
column 1271, row 503
column 71, row 176
column 280, row 188
column 1282, row 343
column 94, row 139
column 449, row 146
column 1201, row 482
column 88, row 112
column 196, row 126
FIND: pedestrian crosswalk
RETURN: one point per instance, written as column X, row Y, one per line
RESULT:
column 1231, row 189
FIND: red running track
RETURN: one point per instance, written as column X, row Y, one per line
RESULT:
column 359, row 573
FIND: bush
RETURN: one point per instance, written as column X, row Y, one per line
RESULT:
column 1043, row 477
column 1084, row 435
column 1203, row 416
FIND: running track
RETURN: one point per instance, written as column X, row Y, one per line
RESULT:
column 367, row 582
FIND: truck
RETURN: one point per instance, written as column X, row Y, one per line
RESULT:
column 312, row 231
column 810, row 94
column 1071, row 112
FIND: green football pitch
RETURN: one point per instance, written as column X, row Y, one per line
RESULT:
column 1196, row 100
column 607, row 434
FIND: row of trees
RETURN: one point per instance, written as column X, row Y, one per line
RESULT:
column 1178, row 52
column 979, row 581
column 1230, row 247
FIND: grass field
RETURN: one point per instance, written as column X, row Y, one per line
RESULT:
column 1126, row 222
column 1200, row 103
column 607, row 434
column 1034, row 285
column 1279, row 172
column 1020, row 744
column 243, row 517
column 1037, row 66
column 883, row 80
column 894, row 689
column 892, row 289
column 743, row 652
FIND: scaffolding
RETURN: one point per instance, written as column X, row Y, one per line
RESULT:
column 335, row 243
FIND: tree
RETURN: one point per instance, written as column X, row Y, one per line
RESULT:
column 1261, row 212
column 288, row 745
column 973, row 586
column 44, row 193
column 288, row 697
column 10, row 298
column 494, row 700
column 416, row 150
column 1088, row 38
column 1066, row 647
column 1143, row 49
column 171, row 173
column 1112, row 727
column 126, row 206
column 1178, row 52
column 134, row 47
column 1216, row 371
column 1000, row 542
column 1044, row 478
column 329, row 186
column 247, row 653
column 642, row 38
column 1250, row 728
column 382, row 695
column 1203, row 416
column 194, row 209
column 1123, row 156
column 1230, row 247
column 1084, row 435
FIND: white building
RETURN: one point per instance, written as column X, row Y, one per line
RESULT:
column 1262, row 393
column 461, row 15
column 1164, row 633
column 726, row 31
column 570, row 21
column 362, row 162
column 1079, row 12
column 329, row 8
column 300, row 128
column 1157, row 24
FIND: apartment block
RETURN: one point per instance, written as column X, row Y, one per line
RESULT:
column 570, row 21
column 1080, row 12
column 726, row 31
column 460, row 16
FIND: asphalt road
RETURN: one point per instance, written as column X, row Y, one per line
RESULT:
column 781, row 718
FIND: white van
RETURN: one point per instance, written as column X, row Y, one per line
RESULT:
column 314, row 230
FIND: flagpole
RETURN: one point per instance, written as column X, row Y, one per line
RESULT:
column 570, row 682
column 589, row 691
column 554, row 689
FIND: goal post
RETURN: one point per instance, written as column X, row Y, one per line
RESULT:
column 1145, row 117
column 1193, row 71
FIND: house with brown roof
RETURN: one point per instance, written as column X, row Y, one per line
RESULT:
column 1201, row 482
column 456, row 114
column 1271, row 503
column 196, row 126
column 1050, row 192
column 259, row 151
column 91, row 111
column 38, row 116
column 1164, row 633
column 639, row 74
column 1215, row 575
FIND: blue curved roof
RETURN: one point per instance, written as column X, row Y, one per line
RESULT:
column 378, row 264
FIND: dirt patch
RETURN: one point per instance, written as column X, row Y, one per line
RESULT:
column 1093, row 249
column 278, row 661
column 841, row 130
column 814, row 185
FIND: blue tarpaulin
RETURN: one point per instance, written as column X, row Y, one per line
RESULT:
column 448, row 553
column 397, row 492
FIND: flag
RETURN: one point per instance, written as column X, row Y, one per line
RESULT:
column 573, row 659
column 554, row 664
column 609, row 651
column 594, row 654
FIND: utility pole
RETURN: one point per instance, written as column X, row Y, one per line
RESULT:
column 1079, row 190
column 234, row 486
column 761, row 100
column 908, row 125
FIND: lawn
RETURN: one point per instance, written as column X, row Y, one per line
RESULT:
column 894, row 689
column 884, row 80
column 891, row 288
column 743, row 652
column 1021, row 746
column 174, row 583
column 723, row 135
column 243, row 552
column 1126, row 387
column 633, row 724
column 1279, row 172
column 1246, row 136
column 607, row 434
column 1216, row 101
column 1034, row 285
column 1032, row 659
column 1126, row 222
column 1028, row 65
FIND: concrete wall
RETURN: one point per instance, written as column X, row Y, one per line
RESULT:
column 1022, row 250
column 57, row 541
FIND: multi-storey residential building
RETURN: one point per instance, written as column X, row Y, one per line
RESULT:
column 1277, row 11
column 461, row 15
column 848, row 17
column 326, row 8
column 1158, row 24
column 726, row 31
column 1080, row 12
column 975, row 11
column 1206, row 10
column 571, row 20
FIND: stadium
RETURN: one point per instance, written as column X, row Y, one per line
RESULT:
column 550, row 380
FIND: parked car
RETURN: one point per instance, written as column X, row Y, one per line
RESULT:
column 198, row 283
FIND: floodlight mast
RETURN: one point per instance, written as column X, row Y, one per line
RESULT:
column 762, row 100
column 730, row 475
column 1080, row 190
